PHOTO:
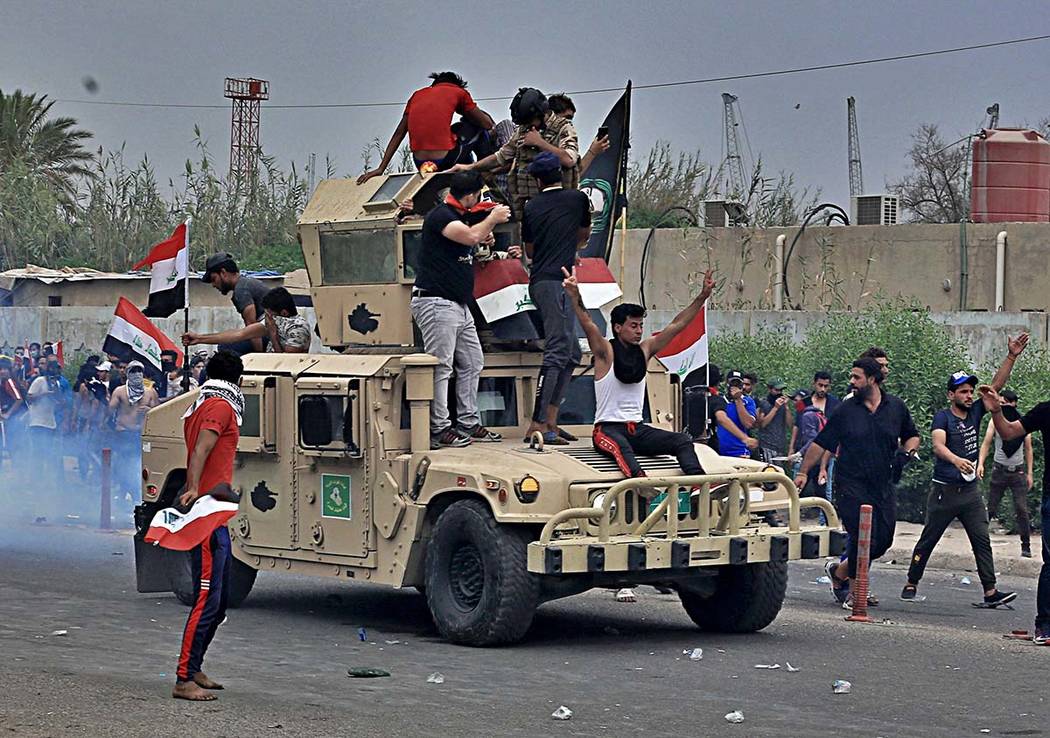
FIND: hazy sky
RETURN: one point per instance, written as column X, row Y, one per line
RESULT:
column 318, row 52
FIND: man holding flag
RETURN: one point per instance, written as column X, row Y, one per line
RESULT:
column 619, row 382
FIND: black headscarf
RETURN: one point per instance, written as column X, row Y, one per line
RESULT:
column 628, row 362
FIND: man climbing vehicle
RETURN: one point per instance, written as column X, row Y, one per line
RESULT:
column 433, row 138
column 619, row 382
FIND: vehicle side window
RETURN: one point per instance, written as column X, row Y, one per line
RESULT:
column 358, row 257
column 251, row 418
column 497, row 402
column 321, row 421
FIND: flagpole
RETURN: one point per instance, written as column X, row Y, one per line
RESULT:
column 186, row 312
column 707, row 379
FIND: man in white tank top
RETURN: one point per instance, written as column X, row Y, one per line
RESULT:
column 1012, row 469
column 619, row 382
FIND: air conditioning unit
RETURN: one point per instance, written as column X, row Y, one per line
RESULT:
column 724, row 213
column 874, row 209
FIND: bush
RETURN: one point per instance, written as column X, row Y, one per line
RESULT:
column 922, row 355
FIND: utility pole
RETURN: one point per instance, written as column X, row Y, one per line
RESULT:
column 856, row 175
column 736, row 187
column 993, row 116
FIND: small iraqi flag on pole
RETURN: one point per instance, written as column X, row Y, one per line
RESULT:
column 688, row 350
column 133, row 336
column 169, row 265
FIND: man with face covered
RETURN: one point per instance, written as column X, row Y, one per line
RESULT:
column 619, row 382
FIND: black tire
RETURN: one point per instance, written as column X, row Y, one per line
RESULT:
column 180, row 576
column 242, row 578
column 478, row 587
column 746, row 599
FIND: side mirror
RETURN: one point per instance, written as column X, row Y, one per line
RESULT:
column 315, row 421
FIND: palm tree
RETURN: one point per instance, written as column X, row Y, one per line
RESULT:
column 48, row 148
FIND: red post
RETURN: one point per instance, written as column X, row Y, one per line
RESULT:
column 104, row 512
column 860, row 582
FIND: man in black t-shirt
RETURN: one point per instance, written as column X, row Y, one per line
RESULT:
column 222, row 273
column 873, row 431
column 441, row 307
column 954, row 493
column 556, row 223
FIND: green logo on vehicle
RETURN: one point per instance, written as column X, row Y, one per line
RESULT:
column 335, row 496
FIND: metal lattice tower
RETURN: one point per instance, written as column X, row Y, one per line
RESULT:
column 247, row 94
column 736, row 184
column 856, row 175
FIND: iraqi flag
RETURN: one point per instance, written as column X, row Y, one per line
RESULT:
column 179, row 531
column 169, row 266
column 688, row 350
column 501, row 289
column 597, row 284
column 603, row 182
column 133, row 336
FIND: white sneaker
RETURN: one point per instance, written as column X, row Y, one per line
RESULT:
column 626, row 595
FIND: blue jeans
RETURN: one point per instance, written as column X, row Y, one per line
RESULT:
column 1042, row 617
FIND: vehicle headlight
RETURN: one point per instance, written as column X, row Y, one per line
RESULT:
column 527, row 488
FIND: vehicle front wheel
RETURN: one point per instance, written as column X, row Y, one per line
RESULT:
column 180, row 575
column 478, row 587
column 746, row 598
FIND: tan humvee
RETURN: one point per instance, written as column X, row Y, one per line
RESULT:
column 338, row 478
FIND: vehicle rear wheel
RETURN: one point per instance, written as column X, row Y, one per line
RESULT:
column 180, row 575
column 478, row 586
column 746, row 598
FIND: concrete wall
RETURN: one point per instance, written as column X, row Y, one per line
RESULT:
column 105, row 292
column 838, row 268
column 84, row 329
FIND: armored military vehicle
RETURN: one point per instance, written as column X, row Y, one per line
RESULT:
column 338, row 478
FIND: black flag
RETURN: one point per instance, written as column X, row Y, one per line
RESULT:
column 603, row 179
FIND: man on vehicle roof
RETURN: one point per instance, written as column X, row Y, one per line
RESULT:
column 539, row 130
column 432, row 136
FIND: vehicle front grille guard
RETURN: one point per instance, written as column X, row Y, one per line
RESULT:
column 735, row 513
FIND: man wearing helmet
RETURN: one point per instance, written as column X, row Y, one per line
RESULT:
column 539, row 130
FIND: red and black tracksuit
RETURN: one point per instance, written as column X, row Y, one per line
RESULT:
column 622, row 441
column 211, row 575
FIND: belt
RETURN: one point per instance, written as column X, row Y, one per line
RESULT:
column 1009, row 469
column 416, row 292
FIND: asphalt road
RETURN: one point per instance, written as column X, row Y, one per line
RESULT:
column 941, row 668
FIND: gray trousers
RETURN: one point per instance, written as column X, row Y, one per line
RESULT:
column 561, row 348
column 449, row 335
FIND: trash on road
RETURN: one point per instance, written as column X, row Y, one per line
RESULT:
column 694, row 654
column 436, row 678
column 791, row 668
column 841, row 686
column 366, row 673
column 361, row 634
column 767, row 666
column 392, row 643
column 965, row 581
column 274, row 726
column 735, row 717
column 823, row 580
column 59, row 632
column 562, row 713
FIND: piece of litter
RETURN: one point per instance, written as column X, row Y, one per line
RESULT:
column 366, row 673
column 767, row 666
column 436, row 678
column 695, row 655
column 273, row 726
column 361, row 634
column 841, row 686
column 791, row 668
column 59, row 632
column 965, row 581
column 735, row 717
column 118, row 553
column 985, row 730
column 721, row 650
column 823, row 580
column 392, row 643
column 562, row 713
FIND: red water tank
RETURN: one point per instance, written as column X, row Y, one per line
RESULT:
column 1011, row 176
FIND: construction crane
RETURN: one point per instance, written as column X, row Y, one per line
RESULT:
column 993, row 116
column 736, row 183
column 856, row 175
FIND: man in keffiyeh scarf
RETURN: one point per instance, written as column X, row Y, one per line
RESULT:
column 211, row 430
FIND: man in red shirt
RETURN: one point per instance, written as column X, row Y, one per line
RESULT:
column 427, row 121
column 211, row 430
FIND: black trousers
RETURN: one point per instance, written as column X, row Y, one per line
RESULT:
column 1017, row 482
column 849, row 496
column 945, row 503
column 622, row 441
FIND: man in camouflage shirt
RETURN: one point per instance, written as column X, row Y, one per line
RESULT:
column 538, row 130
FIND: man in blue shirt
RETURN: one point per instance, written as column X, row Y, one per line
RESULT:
column 740, row 409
